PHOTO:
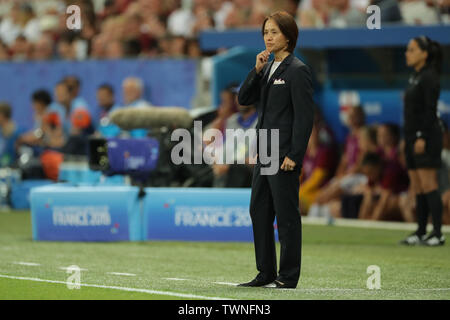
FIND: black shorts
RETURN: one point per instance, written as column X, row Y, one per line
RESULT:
column 431, row 158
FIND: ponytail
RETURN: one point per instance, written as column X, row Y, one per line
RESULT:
column 435, row 56
column 434, row 50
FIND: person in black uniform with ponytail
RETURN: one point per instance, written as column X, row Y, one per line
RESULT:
column 423, row 137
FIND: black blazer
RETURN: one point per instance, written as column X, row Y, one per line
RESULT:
column 286, row 105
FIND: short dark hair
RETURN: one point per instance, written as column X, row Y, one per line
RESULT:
column 287, row 25
column 106, row 86
column 5, row 109
column 42, row 96
column 72, row 82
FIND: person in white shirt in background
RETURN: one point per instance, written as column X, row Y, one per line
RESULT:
column 133, row 89
column 21, row 20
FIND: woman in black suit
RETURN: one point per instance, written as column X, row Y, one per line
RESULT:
column 282, row 91
column 423, row 137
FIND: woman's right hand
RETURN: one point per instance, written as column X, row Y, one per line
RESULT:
column 261, row 60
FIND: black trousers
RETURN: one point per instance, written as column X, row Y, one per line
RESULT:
column 277, row 196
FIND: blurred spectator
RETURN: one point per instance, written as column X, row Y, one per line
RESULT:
column 181, row 21
column 135, row 41
column 113, row 50
column 66, row 46
column 343, row 15
column 193, row 49
column 9, row 133
column 226, row 108
column 106, row 100
column 73, row 121
column 291, row 7
column 328, row 200
column 419, row 12
column 165, row 46
column 21, row 49
column 221, row 10
column 109, row 9
column 380, row 194
column 239, row 14
column 318, row 166
column 444, row 10
column 348, row 162
column 315, row 16
column 388, row 139
column 360, row 5
column 178, row 47
column 202, row 17
column 259, row 11
column 64, row 101
column 43, row 48
column 41, row 101
column 20, row 21
column 239, row 174
column 389, row 10
column 74, row 85
column 133, row 90
column 99, row 48
column 4, row 54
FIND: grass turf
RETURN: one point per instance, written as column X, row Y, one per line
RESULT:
column 334, row 264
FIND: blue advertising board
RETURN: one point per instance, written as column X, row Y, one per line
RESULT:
column 197, row 214
column 87, row 213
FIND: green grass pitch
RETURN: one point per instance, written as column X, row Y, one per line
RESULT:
column 334, row 266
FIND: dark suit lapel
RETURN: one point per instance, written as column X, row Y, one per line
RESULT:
column 286, row 62
column 268, row 84
column 267, row 71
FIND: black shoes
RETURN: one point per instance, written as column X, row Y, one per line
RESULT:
column 412, row 240
column 257, row 282
column 277, row 284
column 433, row 240
column 261, row 282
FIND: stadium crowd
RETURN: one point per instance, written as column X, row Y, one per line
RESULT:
column 365, row 178
column 113, row 29
column 368, row 182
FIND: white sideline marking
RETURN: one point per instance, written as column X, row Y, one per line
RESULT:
column 122, row 274
column 67, row 268
column 226, row 283
column 165, row 293
column 344, row 289
column 30, row 264
column 176, row 279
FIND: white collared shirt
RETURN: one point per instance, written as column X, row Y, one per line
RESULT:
column 274, row 67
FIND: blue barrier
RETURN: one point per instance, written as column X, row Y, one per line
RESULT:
column 168, row 82
column 67, row 213
column 197, row 214
column 389, row 36
column 20, row 192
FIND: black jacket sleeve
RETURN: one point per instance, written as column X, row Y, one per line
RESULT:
column 303, row 105
column 250, row 89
